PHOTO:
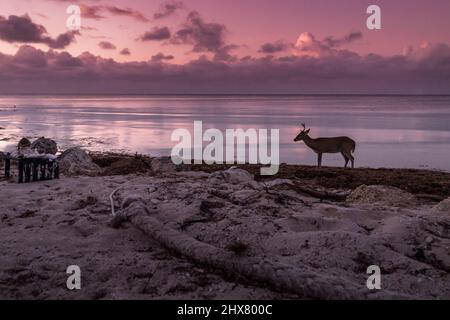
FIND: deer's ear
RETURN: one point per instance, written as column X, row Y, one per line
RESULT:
column 307, row 131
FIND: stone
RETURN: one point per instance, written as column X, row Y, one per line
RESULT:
column 24, row 146
column 232, row 175
column 443, row 206
column 45, row 146
column 76, row 161
column 164, row 164
column 383, row 196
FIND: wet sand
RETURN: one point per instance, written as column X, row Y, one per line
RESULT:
column 49, row 225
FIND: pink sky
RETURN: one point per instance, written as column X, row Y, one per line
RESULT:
column 250, row 23
column 240, row 28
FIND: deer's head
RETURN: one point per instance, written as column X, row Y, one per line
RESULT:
column 303, row 134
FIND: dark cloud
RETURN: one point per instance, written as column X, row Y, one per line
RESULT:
column 28, row 56
column 161, row 57
column 91, row 12
column 223, row 53
column 156, row 34
column 274, row 47
column 125, row 52
column 307, row 44
column 127, row 12
column 425, row 70
column 87, row 28
column 24, row 30
column 63, row 40
column 106, row 45
column 167, row 9
column 96, row 12
column 205, row 37
column 349, row 38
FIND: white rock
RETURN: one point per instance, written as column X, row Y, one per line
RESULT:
column 232, row 175
column 45, row 146
column 75, row 161
column 443, row 206
column 383, row 196
column 163, row 164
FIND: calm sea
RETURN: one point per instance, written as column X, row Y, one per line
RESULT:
column 391, row 131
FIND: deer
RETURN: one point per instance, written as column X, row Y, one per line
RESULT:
column 344, row 145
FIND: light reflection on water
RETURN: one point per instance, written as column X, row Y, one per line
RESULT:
column 407, row 131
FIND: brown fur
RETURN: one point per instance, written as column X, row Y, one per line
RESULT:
column 343, row 145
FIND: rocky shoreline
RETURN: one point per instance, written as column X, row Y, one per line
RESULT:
column 323, row 227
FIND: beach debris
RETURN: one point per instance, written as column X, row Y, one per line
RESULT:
column 443, row 206
column 24, row 146
column 45, row 146
column 233, row 175
column 127, row 165
column 76, row 161
column 164, row 164
column 298, row 279
column 83, row 203
column 7, row 159
column 383, row 196
column 238, row 247
column 429, row 240
column 322, row 195
column 37, row 168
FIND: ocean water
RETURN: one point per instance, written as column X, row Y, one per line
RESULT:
column 390, row 131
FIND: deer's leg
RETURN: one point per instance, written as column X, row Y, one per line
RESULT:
column 319, row 160
column 346, row 159
column 351, row 157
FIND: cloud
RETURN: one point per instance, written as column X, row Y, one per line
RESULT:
column 156, row 34
column 223, row 53
column 63, row 40
column 87, row 28
column 423, row 70
column 167, row 9
column 274, row 47
column 23, row 30
column 161, row 57
column 205, row 37
column 106, row 45
column 29, row 57
column 125, row 52
column 307, row 44
column 127, row 12
column 96, row 12
column 347, row 39
column 91, row 12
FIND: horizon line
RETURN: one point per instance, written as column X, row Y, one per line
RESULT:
column 233, row 94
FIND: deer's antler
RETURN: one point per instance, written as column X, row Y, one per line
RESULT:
column 304, row 126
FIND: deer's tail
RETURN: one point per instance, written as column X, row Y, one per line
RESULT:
column 354, row 147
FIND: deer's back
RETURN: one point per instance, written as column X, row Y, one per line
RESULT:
column 334, row 145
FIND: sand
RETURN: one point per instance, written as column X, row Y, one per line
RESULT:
column 47, row 226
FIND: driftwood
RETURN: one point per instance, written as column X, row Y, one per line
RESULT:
column 299, row 279
column 432, row 197
column 318, row 194
column 341, row 198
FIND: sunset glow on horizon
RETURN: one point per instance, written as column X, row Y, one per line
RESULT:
column 174, row 34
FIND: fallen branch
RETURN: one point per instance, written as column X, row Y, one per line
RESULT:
column 432, row 197
column 298, row 279
column 318, row 194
